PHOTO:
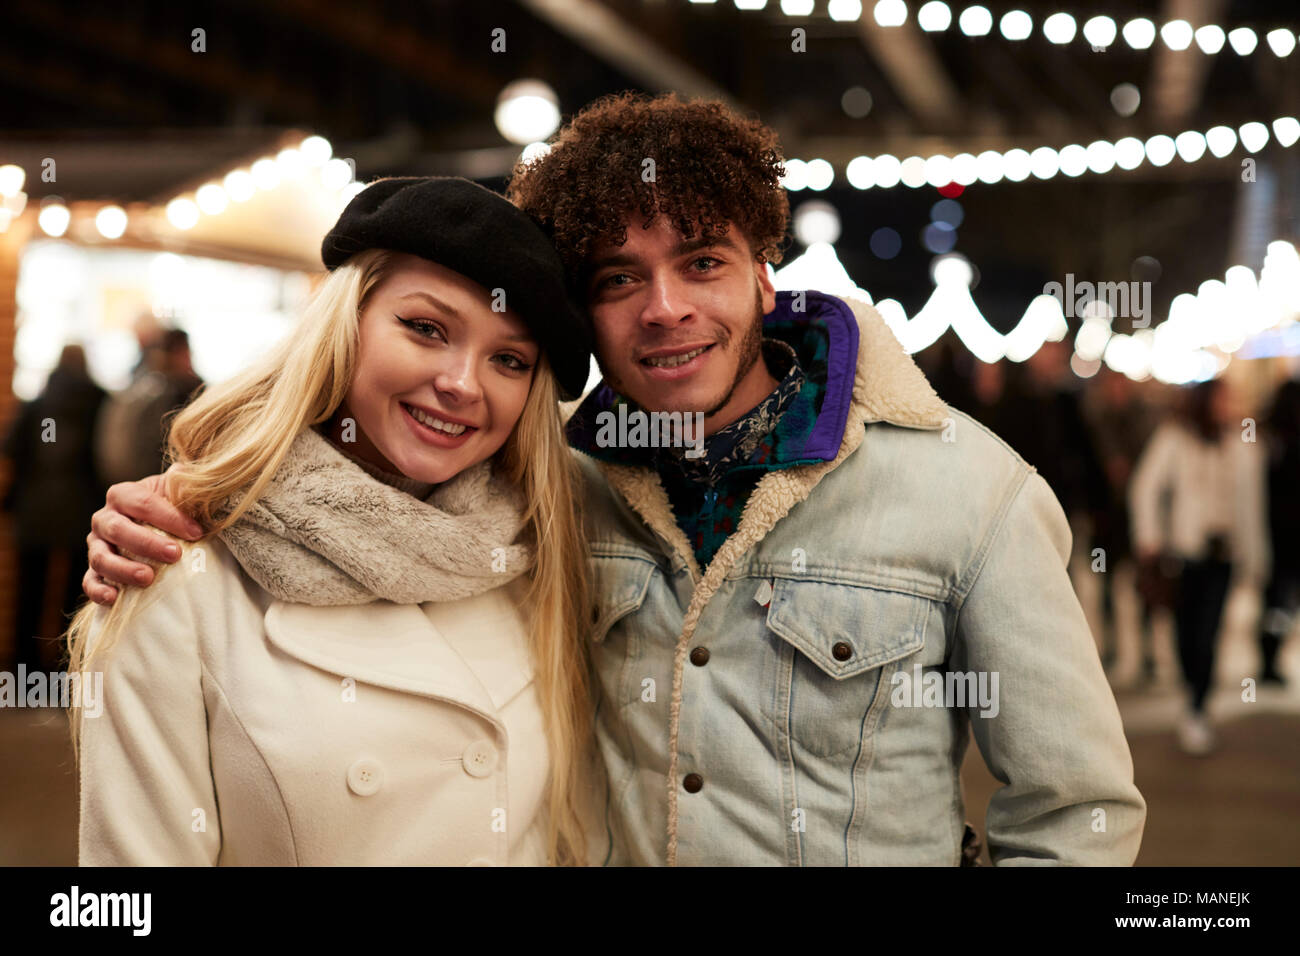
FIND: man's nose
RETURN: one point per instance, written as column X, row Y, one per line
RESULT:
column 666, row 304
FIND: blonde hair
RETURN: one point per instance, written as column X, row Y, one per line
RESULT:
column 233, row 437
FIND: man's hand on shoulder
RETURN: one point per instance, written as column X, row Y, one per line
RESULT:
column 123, row 524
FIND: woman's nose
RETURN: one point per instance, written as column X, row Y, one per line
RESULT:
column 458, row 378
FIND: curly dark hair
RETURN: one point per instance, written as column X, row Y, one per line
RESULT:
column 712, row 168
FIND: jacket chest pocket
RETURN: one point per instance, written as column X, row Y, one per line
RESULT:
column 831, row 644
column 633, row 631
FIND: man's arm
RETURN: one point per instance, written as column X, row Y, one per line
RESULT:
column 1056, row 739
column 121, row 524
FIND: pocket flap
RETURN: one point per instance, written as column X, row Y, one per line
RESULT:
column 619, row 586
column 819, row 618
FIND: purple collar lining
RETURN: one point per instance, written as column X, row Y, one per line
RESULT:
column 841, row 362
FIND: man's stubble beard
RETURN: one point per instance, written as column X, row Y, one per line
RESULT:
column 751, row 349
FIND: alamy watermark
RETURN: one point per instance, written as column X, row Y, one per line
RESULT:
column 633, row 428
column 129, row 910
column 56, row 689
column 950, row 689
column 1129, row 300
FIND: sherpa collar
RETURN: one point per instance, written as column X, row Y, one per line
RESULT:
column 325, row 533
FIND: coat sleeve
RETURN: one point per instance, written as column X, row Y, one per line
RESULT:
column 147, row 795
column 1055, row 739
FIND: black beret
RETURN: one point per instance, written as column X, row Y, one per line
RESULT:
column 483, row 236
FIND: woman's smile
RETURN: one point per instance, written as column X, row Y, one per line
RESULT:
column 438, row 432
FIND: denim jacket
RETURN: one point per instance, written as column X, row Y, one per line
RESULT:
column 809, row 697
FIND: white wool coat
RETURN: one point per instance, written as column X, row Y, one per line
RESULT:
column 238, row 729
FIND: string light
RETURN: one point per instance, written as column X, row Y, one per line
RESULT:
column 891, row 13
column 54, row 217
column 111, row 222
column 1177, row 35
column 239, row 185
column 11, row 180
column 1059, row 28
column 1196, row 340
column 1099, row 31
column 182, row 213
column 1100, row 157
column 1139, row 33
column 1016, row 25
column 934, row 17
column 313, row 157
column 975, row 21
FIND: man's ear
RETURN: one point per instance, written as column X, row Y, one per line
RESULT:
column 765, row 285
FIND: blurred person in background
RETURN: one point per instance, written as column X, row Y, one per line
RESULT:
column 1121, row 424
column 946, row 364
column 54, row 491
column 1042, row 419
column 991, row 401
column 1281, row 435
column 1035, row 408
column 131, row 434
column 1213, row 470
column 148, row 333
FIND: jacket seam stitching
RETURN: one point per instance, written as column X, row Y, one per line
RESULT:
column 977, row 565
column 788, row 675
column 284, row 806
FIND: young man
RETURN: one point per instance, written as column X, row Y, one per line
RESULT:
column 796, row 630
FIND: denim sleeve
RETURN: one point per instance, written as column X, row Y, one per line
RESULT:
column 1055, row 739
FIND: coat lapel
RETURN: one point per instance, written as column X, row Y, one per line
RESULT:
column 489, row 634
column 385, row 644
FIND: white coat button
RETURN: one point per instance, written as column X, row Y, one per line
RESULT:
column 365, row 777
column 480, row 861
column 480, row 758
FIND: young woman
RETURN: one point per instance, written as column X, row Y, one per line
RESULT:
column 372, row 656
column 1212, row 470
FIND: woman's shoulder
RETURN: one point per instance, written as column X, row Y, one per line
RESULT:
column 206, row 576
column 197, row 601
